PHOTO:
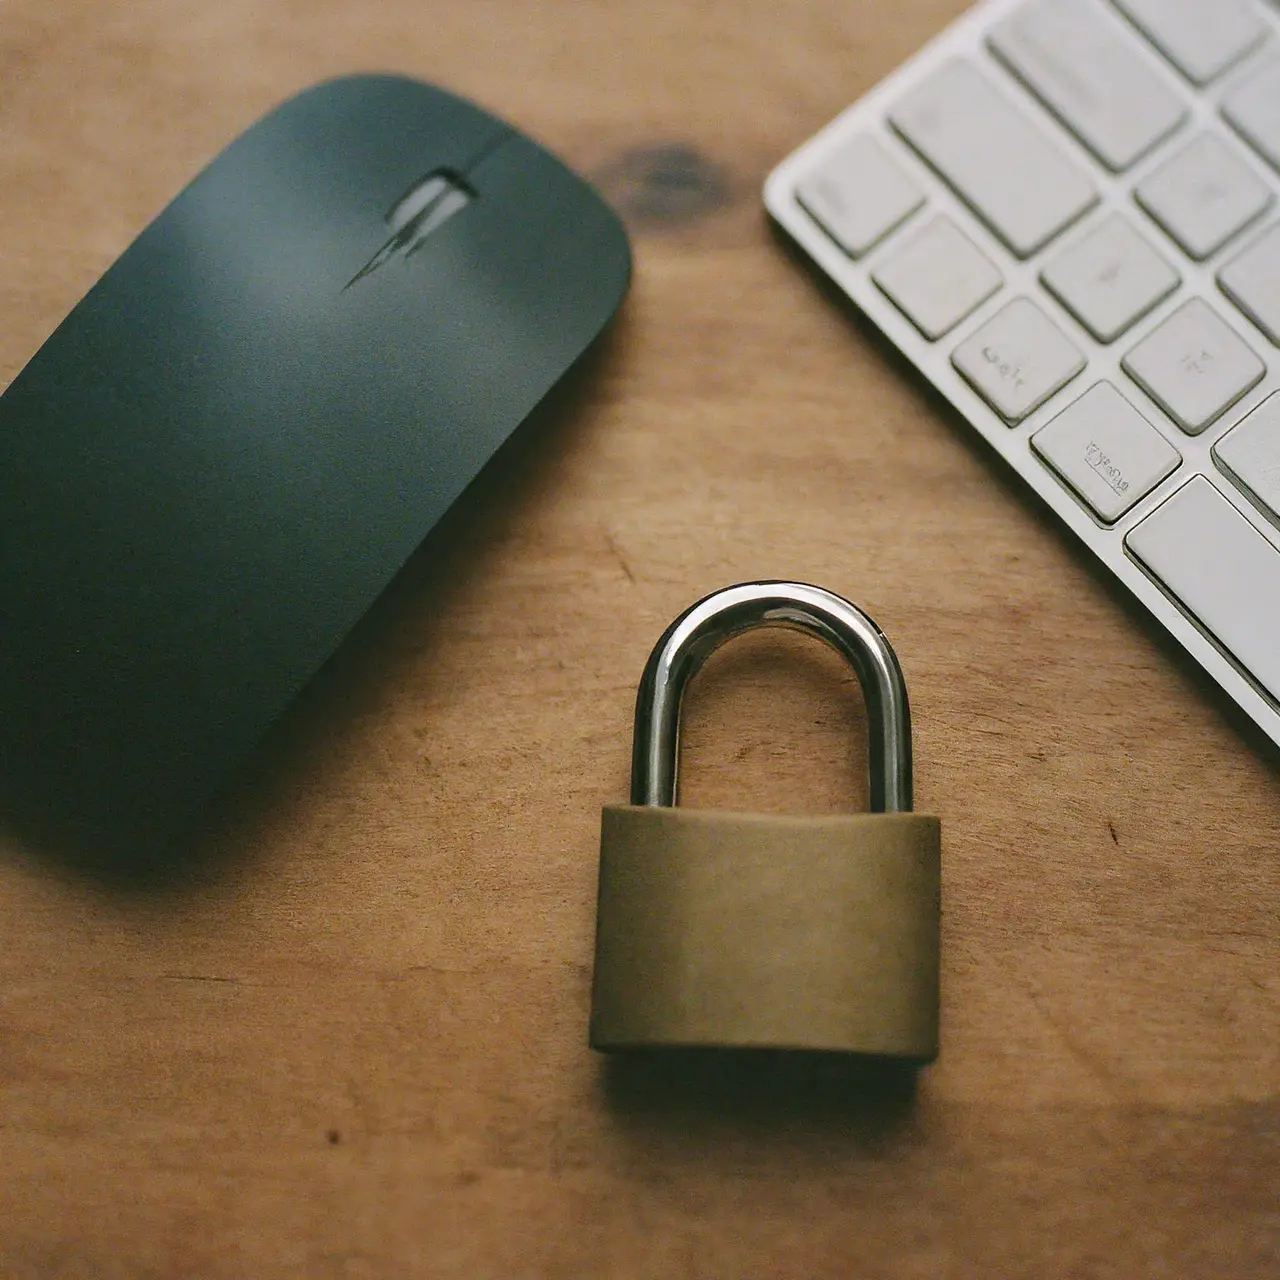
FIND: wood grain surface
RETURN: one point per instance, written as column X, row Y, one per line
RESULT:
column 345, row 1036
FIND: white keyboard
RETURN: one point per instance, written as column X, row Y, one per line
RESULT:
column 1065, row 213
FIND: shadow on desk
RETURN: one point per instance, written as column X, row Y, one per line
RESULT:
column 697, row 1094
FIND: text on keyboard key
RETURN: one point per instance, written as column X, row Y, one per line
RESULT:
column 998, row 160
column 1108, row 453
column 1202, row 38
column 937, row 277
column 1253, row 110
column 1110, row 278
column 1204, row 195
column 859, row 194
column 1194, row 366
column 1250, row 455
column 1252, row 281
column 1082, row 64
column 1221, row 570
column 1017, row 360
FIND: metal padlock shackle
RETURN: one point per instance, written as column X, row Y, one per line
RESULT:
column 698, row 632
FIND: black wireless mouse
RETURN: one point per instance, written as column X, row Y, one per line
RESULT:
column 231, row 445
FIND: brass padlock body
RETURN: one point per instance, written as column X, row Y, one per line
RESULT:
column 723, row 930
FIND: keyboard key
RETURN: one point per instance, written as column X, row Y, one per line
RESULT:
column 1250, row 455
column 1252, row 281
column 1202, row 38
column 1254, row 112
column 998, row 160
column 859, row 195
column 1194, row 366
column 1204, row 195
column 937, row 278
column 1017, row 360
column 1222, row 571
column 1110, row 278
column 1081, row 63
column 1106, row 451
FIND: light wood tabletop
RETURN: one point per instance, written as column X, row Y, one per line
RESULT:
column 345, row 1034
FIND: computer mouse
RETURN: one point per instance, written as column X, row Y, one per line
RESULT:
column 231, row 445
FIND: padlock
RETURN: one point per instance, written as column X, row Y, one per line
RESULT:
column 733, row 930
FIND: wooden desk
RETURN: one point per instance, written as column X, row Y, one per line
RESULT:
column 350, row 1040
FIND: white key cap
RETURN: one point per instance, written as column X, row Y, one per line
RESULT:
column 1082, row 64
column 1106, row 451
column 937, row 277
column 1110, row 278
column 1221, row 569
column 1017, row 360
column 1201, row 37
column 1022, row 184
column 1204, row 195
column 1254, row 112
column 1252, row 281
column 1194, row 366
column 859, row 194
column 1250, row 455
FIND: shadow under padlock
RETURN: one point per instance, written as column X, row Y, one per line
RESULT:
column 729, row 931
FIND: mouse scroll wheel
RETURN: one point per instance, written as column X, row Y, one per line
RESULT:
column 427, row 205
column 424, row 208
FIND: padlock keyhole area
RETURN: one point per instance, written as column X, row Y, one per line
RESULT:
column 774, row 724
